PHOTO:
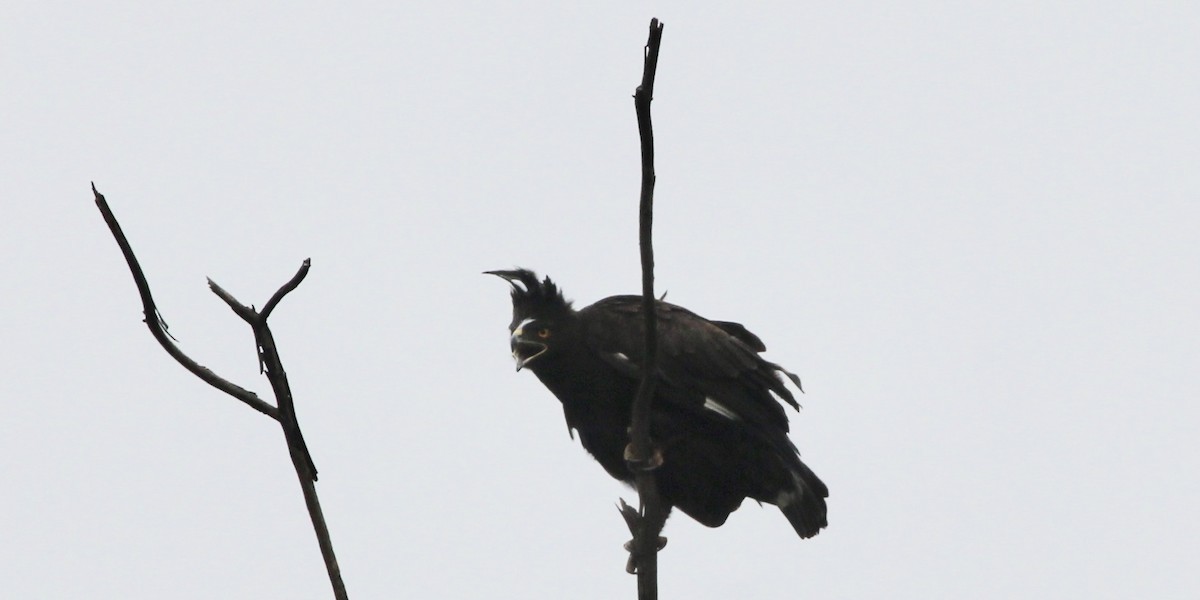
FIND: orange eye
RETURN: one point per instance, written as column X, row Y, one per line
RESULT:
column 543, row 333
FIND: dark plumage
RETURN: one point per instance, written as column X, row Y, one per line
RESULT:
column 717, row 417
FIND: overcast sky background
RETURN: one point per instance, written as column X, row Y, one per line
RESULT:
column 972, row 230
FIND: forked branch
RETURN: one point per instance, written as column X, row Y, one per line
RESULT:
column 284, row 411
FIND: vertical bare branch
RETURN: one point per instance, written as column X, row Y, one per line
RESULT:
column 284, row 412
column 651, row 511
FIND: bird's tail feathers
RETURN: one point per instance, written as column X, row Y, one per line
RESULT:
column 804, row 503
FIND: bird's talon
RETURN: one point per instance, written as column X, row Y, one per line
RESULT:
column 631, row 564
column 655, row 461
column 661, row 542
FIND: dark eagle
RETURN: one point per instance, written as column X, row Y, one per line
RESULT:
column 717, row 418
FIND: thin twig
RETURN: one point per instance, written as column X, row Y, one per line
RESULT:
column 154, row 321
column 652, row 514
column 286, row 289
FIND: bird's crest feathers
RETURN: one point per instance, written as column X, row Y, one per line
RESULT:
column 531, row 297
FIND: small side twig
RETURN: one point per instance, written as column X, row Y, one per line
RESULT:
column 647, row 522
column 271, row 365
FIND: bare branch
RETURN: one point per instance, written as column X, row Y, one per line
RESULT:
column 245, row 312
column 286, row 288
column 158, row 330
column 652, row 514
column 270, row 364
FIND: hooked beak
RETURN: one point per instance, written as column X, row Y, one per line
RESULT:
column 524, row 351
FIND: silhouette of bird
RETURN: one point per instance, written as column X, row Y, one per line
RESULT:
column 717, row 418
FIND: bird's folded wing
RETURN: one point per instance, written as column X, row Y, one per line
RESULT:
column 711, row 366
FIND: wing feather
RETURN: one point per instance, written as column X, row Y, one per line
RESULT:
column 698, row 359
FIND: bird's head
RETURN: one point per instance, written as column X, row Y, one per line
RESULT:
column 541, row 316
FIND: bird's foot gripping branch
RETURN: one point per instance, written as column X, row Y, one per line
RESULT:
column 637, row 463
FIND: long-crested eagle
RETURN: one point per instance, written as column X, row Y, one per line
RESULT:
column 717, row 417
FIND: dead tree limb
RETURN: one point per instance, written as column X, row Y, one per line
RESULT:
column 269, row 362
column 648, row 520
column 158, row 328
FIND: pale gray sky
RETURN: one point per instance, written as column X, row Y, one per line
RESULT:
column 970, row 229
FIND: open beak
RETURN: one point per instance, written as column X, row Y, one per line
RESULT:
column 524, row 351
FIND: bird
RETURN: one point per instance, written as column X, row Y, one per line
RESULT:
column 717, row 417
